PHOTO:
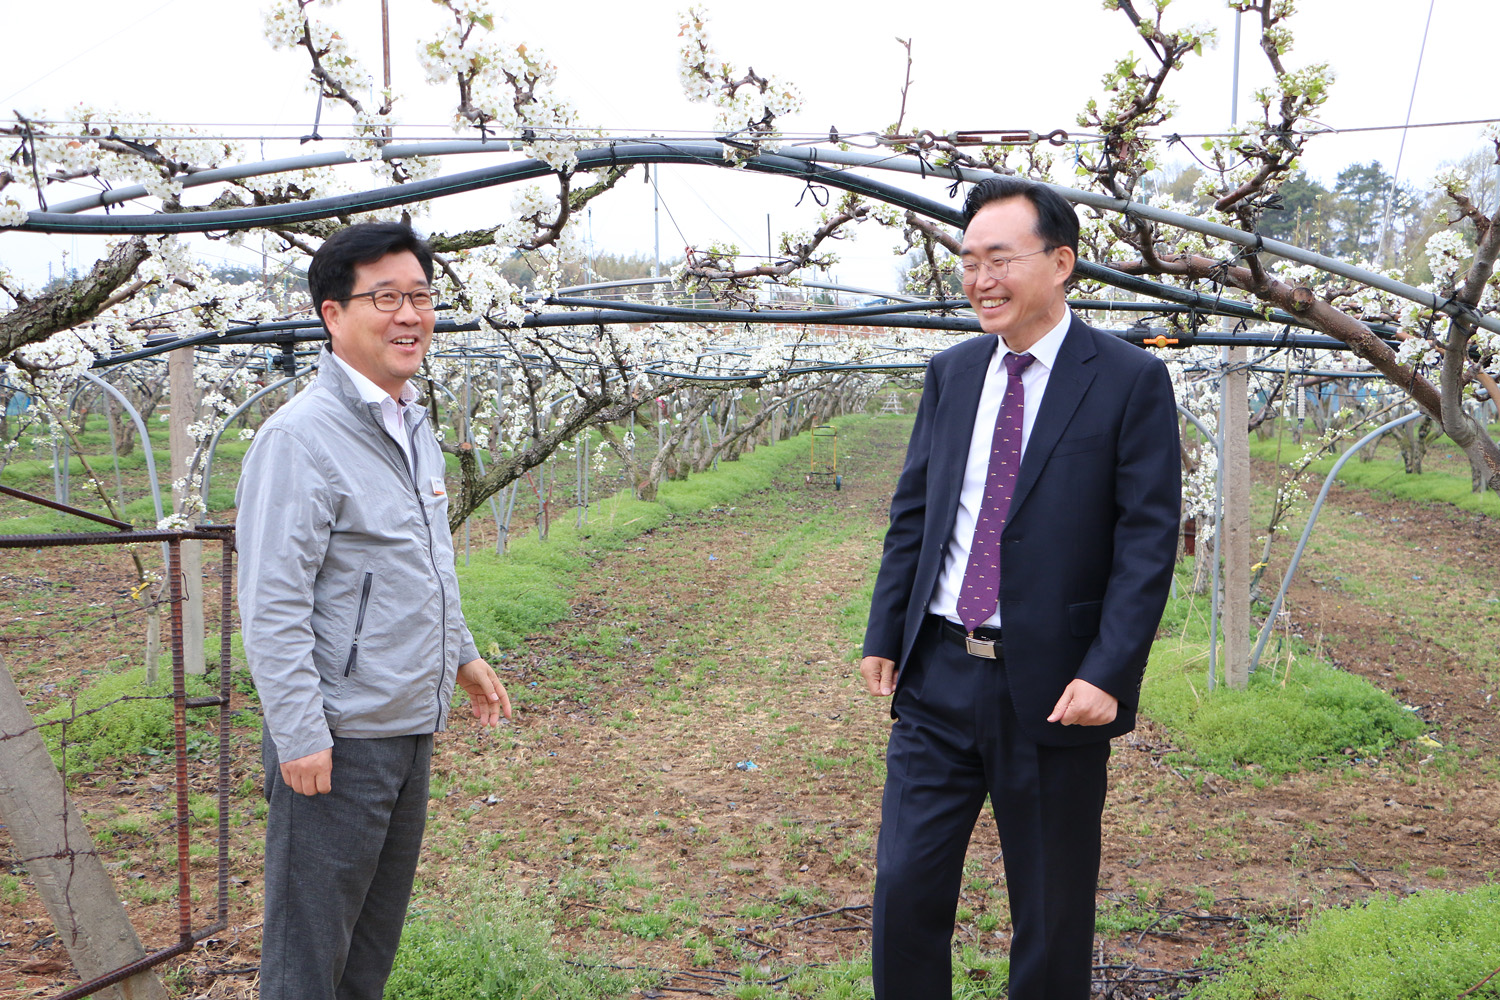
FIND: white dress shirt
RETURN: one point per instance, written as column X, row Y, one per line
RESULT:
column 391, row 410
column 1034, row 383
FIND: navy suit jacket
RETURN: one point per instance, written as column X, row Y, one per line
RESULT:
column 1091, row 538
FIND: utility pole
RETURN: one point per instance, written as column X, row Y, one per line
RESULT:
column 768, row 253
column 385, row 41
column 655, row 222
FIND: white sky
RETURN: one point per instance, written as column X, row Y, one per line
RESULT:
column 999, row 64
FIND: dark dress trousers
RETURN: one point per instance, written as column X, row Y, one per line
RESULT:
column 1086, row 562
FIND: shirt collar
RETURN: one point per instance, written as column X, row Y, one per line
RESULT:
column 369, row 391
column 1044, row 350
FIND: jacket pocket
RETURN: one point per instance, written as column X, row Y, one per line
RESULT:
column 359, row 622
column 1074, row 446
column 1083, row 619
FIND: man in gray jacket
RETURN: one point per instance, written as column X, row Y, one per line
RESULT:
column 350, row 612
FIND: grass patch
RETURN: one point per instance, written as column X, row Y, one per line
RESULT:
column 509, row 596
column 1389, row 476
column 125, row 716
column 1297, row 712
column 1432, row 945
column 495, row 947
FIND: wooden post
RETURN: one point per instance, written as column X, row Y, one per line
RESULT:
column 1236, row 604
column 184, row 393
column 51, row 838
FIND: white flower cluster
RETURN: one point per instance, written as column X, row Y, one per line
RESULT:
column 489, row 293
column 288, row 23
column 1414, row 351
column 748, row 104
column 1446, row 252
column 1198, row 491
column 12, row 212
column 503, row 84
column 124, row 149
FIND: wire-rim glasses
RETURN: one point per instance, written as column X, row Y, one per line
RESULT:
column 389, row 300
column 995, row 267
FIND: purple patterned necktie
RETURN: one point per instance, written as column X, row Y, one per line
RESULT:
column 980, row 594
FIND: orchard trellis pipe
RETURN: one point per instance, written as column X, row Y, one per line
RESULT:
column 1205, row 306
column 284, row 332
column 140, row 428
column 478, row 457
column 1312, row 519
column 808, row 163
column 1213, row 583
column 600, row 286
column 1213, row 615
column 1201, row 303
column 1213, row 597
column 213, row 445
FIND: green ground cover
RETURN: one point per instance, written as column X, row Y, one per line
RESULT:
column 1445, row 477
column 1431, row 946
column 1298, row 712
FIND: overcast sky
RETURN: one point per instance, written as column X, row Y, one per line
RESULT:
column 999, row 64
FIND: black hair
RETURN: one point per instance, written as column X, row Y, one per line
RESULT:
column 1056, row 221
column 330, row 276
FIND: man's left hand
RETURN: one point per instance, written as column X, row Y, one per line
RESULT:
column 1083, row 704
column 486, row 693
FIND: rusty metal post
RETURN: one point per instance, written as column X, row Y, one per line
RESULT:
column 179, row 730
column 170, row 541
column 226, row 603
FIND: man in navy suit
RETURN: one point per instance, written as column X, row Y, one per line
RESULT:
column 1029, row 556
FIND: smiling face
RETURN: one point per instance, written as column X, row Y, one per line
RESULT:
column 385, row 347
column 1030, row 299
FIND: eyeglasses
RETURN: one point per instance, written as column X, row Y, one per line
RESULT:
column 995, row 267
column 388, row 300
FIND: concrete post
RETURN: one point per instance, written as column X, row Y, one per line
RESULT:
column 1236, row 604
column 184, row 399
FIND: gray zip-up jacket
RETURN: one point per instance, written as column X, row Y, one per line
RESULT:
column 348, row 599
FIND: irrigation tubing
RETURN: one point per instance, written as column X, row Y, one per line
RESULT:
column 288, row 333
column 827, row 166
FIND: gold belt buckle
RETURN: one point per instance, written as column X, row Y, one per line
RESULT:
column 980, row 647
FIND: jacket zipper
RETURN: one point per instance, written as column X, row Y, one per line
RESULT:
column 413, row 477
column 442, row 598
column 359, row 621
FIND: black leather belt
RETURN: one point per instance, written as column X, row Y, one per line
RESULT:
column 984, row 643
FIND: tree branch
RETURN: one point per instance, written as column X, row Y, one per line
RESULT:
column 76, row 302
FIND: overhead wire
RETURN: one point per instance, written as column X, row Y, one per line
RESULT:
column 443, row 130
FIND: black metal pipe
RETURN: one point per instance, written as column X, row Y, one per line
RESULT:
column 211, row 532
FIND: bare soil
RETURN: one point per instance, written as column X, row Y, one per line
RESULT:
column 692, row 746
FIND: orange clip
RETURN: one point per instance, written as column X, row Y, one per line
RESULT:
column 1160, row 340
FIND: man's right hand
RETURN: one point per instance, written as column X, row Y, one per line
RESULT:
column 879, row 674
column 310, row 775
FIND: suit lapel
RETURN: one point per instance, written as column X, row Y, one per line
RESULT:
column 1066, row 385
column 955, row 425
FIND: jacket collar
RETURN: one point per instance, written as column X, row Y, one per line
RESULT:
column 333, row 377
column 1066, row 385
